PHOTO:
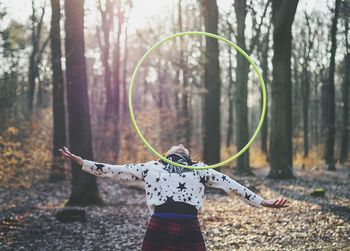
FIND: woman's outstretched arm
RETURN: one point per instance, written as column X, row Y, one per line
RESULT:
column 219, row 180
column 136, row 171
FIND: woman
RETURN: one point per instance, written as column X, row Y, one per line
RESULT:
column 174, row 196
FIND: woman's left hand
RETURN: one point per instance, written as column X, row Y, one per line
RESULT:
column 275, row 203
column 67, row 154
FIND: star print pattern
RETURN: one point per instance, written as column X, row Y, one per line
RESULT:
column 181, row 186
column 144, row 173
column 99, row 166
column 162, row 186
column 169, row 199
column 247, row 196
column 203, row 180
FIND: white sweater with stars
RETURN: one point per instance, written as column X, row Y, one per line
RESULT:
column 162, row 186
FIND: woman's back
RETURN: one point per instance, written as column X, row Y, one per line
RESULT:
column 170, row 190
column 163, row 186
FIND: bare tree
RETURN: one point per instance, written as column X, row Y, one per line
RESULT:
column 305, row 87
column 106, row 13
column 330, row 98
column 59, row 127
column 36, row 54
column 242, row 70
column 345, row 90
column 212, row 139
column 125, row 71
column 231, row 101
column 186, row 119
column 264, row 49
column 281, row 157
column 84, row 187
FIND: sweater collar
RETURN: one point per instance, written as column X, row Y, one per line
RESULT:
column 178, row 158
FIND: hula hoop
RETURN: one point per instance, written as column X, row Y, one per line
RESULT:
column 201, row 33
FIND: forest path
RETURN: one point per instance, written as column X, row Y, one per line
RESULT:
column 27, row 216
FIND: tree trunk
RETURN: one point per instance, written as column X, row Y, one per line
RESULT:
column 162, row 110
column 265, row 70
column 116, row 62
column 211, row 138
column 305, row 87
column 32, row 73
column 305, row 98
column 185, row 116
column 305, row 90
column 330, row 127
column 177, row 66
column 116, row 81
column 84, row 187
column 59, row 126
column 107, row 19
column 345, row 90
column 125, row 65
column 316, row 109
column 242, row 70
column 231, row 101
column 281, row 156
column 35, row 56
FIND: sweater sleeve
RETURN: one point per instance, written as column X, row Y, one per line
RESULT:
column 137, row 171
column 219, row 180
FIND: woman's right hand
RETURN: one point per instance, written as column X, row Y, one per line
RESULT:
column 275, row 203
column 67, row 154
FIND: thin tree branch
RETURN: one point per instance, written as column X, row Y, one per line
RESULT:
column 257, row 34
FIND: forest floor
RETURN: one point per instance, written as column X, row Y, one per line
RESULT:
column 27, row 216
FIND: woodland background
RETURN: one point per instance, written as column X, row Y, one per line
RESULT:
column 65, row 72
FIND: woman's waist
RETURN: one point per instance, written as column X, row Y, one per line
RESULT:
column 175, row 216
column 176, row 207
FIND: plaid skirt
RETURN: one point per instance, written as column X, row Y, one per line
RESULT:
column 173, row 234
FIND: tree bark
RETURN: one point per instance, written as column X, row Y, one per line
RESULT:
column 345, row 90
column 265, row 69
column 231, row 103
column 330, row 103
column 59, row 126
column 33, row 59
column 84, row 187
column 116, row 60
column 125, row 65
column 185, row 117
column 305, row 87
column 242, row 70
column 211, row 138
column 106, row 13
column 281, row 156
column 117, row 83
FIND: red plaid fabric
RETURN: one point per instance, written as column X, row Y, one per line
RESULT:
column 173, row 235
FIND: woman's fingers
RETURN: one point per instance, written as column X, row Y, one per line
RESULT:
column 66, row 150
column 285, row 204
column 69, row 155
column 63, row 153
column 281, row 203
column 276, row 203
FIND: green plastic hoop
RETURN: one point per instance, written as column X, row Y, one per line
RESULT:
column 237, row 48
